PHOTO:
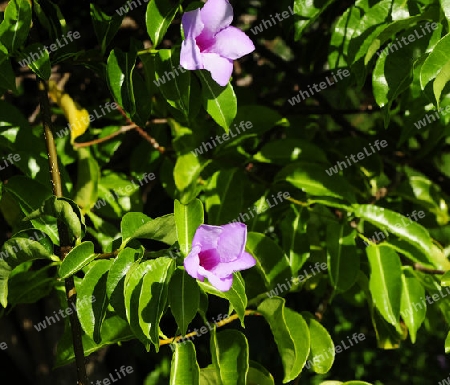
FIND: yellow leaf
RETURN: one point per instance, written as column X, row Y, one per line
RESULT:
column 77, row 116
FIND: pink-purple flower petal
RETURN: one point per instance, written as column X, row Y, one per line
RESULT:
column 222, row 284
column 220, row 68
column 192, row 263
column 245, row 261
column 231, row 43
column 216, row 15
column 232, row 241
column 207, row 236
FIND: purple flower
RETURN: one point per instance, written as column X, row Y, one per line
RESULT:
column 210, row 43
column 218, row 251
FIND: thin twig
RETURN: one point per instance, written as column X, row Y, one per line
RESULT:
column 426, row 270
column 64, row 238
column 218, row 324
column 106, row 138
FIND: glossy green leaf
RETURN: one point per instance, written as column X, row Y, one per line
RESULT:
column 285, row 151
column 7, row 76
column 25, row 246
column 158, row 17
column 441, row 80
column 116, row 278
column 385, row 281
column 119, row 69
column 64, row 210
column 105, row 26
column 400, row 226
column 93, row 286
column 219, row 102
column 86, row 190
column 173, row 80
column 445, row 279
column 271, row 262
column 307, row 12
column 16, row 24
column 30, row 195
column 259, row 375
column 229, row 350
column 343, row 259
column 412, row 310
column 80, row 256
column 187, row 219
column 132, row 290
column 312, row 179
column 184, row 299
column 295, row 240
column 153, row 297
column 224, row 196
column 436, row 61
column 160, row 229
column 322, row 352
column 184, row 369
column 42, row 66
column 30, row 286
column 447, row 344
column 291, row 335
column 236, row 295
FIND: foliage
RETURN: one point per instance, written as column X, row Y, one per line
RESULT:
column 330, row 143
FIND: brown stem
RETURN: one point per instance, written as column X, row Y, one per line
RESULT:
column 426, row 270
column 64, row 239
column 324, row 303
column 218, row 324
column 101, row 140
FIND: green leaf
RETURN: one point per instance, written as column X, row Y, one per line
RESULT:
column 158, row 17
column 322, row 351
column 285, row 151
column 116, row 278
column 412, row 294
column 153, row 297
column 343, row 259
column 42, row 66
column 160, row 229
column 219, row 102
column 30, row 286
column 435, row 62
column 291, row 335
column 86, row 190
column 307, row 12
column 66, row 211
column 271, row 262
column 184, row 369
column 447, row 343
column 186, row 174
column 229, row 350
column 445, row 279
column 131, row 222
column 25, row 246
column 187, row 220
column 119, row 69
column 30, row 195
column 15, row 25
column 113, row 330
column 93, row 286
column 259, row 375
column 79, row 257
column 173, row 81
column 7, row 76
column 312, row 179
column 385, row 282
column 441, row 80
column 295, row 240
column 184, row 299
column 132, row 291
column 105, row 26
column 236, row 295
column 224, row 198
column 409, row 231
